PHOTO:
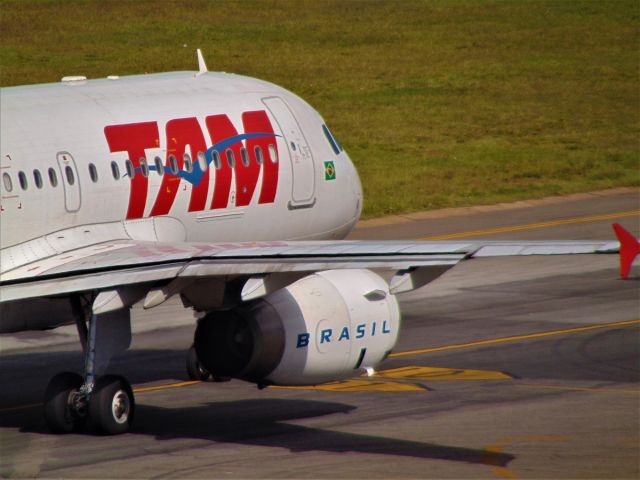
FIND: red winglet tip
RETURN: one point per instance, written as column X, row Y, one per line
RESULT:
column 629, row 249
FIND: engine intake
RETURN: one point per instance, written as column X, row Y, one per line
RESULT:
column 321, row 328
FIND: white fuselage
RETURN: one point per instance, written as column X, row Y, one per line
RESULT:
column 149, row 155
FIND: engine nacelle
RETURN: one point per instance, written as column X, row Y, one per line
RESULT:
column 323, row 327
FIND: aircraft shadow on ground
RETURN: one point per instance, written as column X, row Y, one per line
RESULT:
column 24, row 376
column 255, row 422
column 265, row 423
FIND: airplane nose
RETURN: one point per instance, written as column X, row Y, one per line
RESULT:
column 355, row 186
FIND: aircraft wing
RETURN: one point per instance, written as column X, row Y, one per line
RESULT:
column 160, row 268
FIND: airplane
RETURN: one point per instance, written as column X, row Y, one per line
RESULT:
column 227, row 191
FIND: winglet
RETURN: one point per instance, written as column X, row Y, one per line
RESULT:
column 629, row 249
column 202, row 67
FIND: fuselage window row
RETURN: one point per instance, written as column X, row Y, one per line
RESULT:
column 7, row 182
column 188, row 162
column 144, row 167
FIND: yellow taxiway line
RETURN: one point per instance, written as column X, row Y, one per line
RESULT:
column 165, row 386
column 532, row 226
column 353, row 387
column 516, row 338
column 569, row 388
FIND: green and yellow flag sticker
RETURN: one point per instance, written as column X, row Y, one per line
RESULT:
column 329, row 170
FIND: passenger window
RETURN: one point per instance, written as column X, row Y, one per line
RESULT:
column 273, row 155
column 245, row 156
column 7, row 183
column 115, row 170
column 130, row 170
column 68, row 171
column 231, row 159
column 159, row 165
column 258, row 152
column 37, row 178
column 173, row 162
column 93, row 173
column 188, row 164
column 202, row 161
column 216, row 160
column 144, row 168
column 53, row 177
column 22, row 178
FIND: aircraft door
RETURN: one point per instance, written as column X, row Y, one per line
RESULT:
column 302, row 166
column 70, row 181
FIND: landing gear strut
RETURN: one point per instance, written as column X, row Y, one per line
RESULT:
column 105, row 404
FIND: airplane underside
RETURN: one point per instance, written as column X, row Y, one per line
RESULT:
column 323, row 327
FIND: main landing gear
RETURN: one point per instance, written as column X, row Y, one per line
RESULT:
column 107, row 409
column 102, row 404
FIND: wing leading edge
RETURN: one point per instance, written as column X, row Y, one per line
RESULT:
column 118, row 264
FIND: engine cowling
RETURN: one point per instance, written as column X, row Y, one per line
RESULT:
column 323, row 327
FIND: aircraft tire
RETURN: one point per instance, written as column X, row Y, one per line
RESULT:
column 195, row 369
column 111, row 405
column 59, row 414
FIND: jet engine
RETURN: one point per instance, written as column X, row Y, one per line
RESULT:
column 323, row 327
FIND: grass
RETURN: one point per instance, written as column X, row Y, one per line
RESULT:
column 439, row 103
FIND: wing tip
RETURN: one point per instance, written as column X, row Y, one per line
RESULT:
column 629, row 249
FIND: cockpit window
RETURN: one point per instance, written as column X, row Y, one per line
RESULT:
column 335, row 146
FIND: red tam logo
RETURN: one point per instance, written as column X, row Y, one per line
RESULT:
column 245, row 154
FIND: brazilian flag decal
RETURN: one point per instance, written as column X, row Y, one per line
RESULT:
column 329, row 170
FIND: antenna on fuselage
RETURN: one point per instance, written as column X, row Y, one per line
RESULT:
column 202, row 67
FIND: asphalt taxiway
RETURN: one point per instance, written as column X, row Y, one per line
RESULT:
column 505, row 368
